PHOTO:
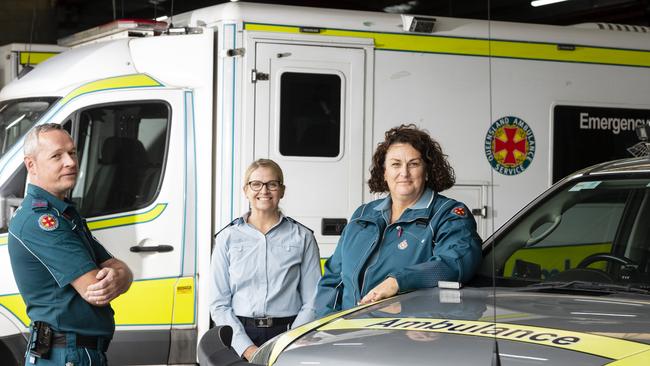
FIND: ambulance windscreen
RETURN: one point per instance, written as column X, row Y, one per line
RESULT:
column 18, row 116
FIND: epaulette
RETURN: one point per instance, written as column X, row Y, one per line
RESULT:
column 299, row 223
column 40, row 204
column 233, row 222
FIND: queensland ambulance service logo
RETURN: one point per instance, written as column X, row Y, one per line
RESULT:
column 510, row 145
column 48, row 222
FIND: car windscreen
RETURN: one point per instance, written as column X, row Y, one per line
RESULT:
column 594, row 230
column 18, row 116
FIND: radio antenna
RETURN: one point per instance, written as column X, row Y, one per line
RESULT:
column 171, row 15
column 27, row 68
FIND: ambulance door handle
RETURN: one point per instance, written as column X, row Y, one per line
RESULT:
column 154, row 248
column 480, row 212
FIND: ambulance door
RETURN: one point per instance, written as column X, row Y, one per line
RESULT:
column 309, row 113
column 135, row 188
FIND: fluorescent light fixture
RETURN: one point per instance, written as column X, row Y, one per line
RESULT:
column 537, row 3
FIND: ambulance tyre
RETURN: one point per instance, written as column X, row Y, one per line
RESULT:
column 7, row 356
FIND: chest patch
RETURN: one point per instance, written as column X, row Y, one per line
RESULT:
column 48, row 222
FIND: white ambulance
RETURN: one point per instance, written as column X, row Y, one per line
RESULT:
column 166, row 122
column 16, row 57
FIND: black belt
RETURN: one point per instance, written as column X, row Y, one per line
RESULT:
column 91, row 342
column 266, row 322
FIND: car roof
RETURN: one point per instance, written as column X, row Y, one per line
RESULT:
column 631, row 165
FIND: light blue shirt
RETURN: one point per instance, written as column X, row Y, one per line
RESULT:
column 256, row 275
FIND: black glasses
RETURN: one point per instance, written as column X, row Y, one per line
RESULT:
column 271, row 185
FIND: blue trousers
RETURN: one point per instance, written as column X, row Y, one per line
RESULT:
column 69, row 355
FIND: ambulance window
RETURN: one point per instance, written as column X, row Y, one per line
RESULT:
column 11, row 195
column 121, row 155
column 310, row 114
column 17, row 117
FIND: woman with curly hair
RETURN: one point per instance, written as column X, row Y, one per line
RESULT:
column 411, row 239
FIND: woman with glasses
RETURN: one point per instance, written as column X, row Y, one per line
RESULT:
column 411, row 239
column 265, row 266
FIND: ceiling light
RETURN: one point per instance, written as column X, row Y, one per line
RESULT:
column 537, row 3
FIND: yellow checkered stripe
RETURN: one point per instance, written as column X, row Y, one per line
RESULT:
column 166, row 301
column 479, row 47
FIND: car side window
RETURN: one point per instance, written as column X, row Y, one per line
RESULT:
column 121, row 149
column 586, row 231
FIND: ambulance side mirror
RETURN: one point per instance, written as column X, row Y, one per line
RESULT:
column 8, row 205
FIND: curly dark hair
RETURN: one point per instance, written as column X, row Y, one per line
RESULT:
column 439, row 174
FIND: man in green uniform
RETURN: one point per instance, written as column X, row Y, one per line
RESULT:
column 65, row 276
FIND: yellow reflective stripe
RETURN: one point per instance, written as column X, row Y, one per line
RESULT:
column 575, row 341
column 479, row 47
column 15, row 305
column 35, row 58
column 394, row 41
column 156, row 302
column 167, row 301
column 184, row 301
column 642, row 358
column 288, row 337
column 322, row 264
column 550, row 52
column 118, row 82
column 133, row 219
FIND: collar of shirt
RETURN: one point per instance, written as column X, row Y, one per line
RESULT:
column 412, row 212
column 243, row 221
column 38, row 192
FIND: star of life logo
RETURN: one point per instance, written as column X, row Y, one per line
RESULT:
column 48, row 222
column 510, row 145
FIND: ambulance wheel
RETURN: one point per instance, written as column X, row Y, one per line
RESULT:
column 7, row 356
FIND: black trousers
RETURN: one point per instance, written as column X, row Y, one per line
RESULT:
column 261, row 335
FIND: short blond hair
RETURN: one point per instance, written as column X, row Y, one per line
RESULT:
column 30, row 147
column 264, row 163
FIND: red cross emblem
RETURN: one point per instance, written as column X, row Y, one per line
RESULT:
column 48, row 222
column 459, row 211
column 510, row 146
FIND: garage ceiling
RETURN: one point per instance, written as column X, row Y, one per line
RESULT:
column 45, row 21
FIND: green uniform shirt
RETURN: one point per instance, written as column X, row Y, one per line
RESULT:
column 50, row 246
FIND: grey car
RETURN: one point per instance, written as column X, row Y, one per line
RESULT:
column 565, row 282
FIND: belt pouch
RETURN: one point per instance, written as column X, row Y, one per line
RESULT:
column 41, row 340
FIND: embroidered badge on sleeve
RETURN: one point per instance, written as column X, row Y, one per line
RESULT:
column 459, row 211
column 48, row 222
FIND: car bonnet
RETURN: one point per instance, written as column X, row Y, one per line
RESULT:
column 462, row 327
